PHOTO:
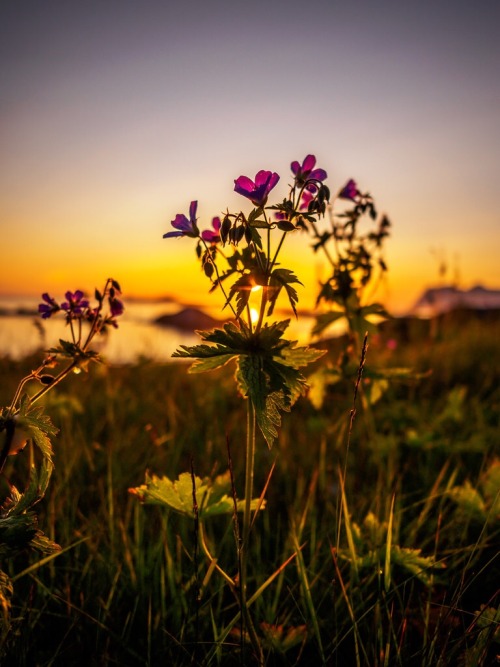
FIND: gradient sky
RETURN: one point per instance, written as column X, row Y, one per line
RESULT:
column 115, row 115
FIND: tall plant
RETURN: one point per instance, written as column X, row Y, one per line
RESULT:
column 23, row 424
column 240, row 256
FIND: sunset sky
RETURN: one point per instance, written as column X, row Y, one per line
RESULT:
column 115, row 115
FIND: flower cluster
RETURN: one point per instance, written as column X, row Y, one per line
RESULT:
column 306, row 175
column 308, row 194
column 77, row 306
column 353, row 255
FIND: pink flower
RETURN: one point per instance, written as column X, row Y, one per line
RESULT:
column 212, row 236
column 257, row 191
column 349, row 191
column 306, row 172
column 186, row 227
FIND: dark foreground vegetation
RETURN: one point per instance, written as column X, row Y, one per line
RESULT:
column 398, row 565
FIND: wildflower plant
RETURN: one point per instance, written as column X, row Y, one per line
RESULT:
column 239, row 254
column 240, row 250
column 353, row 244
column 24, row 424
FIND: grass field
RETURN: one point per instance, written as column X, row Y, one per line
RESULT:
column 390, row 532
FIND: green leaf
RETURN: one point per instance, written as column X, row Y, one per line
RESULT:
column 297, row 357
column 324, row 320
column 267, row 371
column 37, row 426
column 413, row 562
column 212, row 496
column 318, row 383
column 242, row 289
column 254, row 381
column 283, row 278
column 211, row 363
column 469, row 501
column 228, row 343
column 273, row 385
column 35, row 491
column 375, row 389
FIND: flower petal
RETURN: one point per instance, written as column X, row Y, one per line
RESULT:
column 272, row 181
column 262, row 177
column 318, row 174
column 244, row 186
column 192, row 211
column 309, row 162
column 181, row 222
column 209, row 236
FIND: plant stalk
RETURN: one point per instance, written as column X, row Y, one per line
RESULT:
column 247, row 523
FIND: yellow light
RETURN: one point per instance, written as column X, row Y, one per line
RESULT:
column 254, row 315
column 256, row 288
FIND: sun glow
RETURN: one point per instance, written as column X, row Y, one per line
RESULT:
column 254, row 315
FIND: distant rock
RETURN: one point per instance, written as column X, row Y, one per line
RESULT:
column 438, row 300
column 189, row 319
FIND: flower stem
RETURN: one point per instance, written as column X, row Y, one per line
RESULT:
column 247, row 522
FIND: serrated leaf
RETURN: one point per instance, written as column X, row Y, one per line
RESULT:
column 35, row 491
column 241, row 289
column 265, row 389
column 212, row 496
column 413, row 561
column 270, row 339
column 210, row 364
column 297, row 357
column 228, row 342
column 279, row 279
column 37, row 426
column 267, row 371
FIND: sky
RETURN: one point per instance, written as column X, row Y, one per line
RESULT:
column 115, row 115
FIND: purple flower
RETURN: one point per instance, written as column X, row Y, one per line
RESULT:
column 212, row 236
column 116, row 306
column 256, row 191
column 349, row 191
column 49, row 307
column 186, row 227
column 306, row 172
column 75, row 304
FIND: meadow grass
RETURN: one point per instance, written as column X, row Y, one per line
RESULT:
column 383, row 553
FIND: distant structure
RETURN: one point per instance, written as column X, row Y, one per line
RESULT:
column 438, row 300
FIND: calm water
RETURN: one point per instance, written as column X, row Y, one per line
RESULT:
column 136, row 337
